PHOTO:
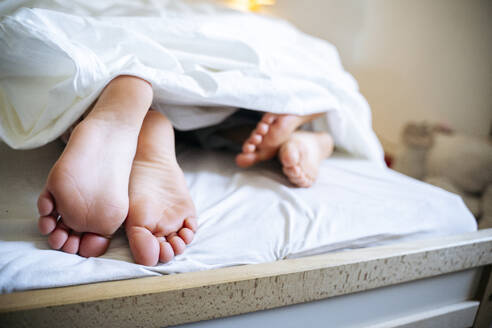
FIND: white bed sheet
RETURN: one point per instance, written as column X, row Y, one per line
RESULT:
column 245, row 216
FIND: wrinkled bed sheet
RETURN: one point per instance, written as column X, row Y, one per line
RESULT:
column 245, row 216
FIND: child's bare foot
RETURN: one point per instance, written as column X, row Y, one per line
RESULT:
column 302, row 154
column 162, row 217
column 270, row 133
column 88, row 185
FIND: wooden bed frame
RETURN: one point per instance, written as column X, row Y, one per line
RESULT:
column 190, row 297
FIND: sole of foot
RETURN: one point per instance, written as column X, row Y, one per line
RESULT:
column 85, row 199
column 302, row 155
column 162, row 216
column 270, row 133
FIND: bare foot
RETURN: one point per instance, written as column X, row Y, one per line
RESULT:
column 270, row 133
column 302, row 154
column 88, row 185
column 162, row 217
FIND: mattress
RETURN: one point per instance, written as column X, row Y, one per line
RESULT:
column 245, row 216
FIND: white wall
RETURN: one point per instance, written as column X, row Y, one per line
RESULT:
column 414, row 59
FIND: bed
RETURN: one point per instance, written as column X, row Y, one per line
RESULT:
column 365, row 246
column 432, row 273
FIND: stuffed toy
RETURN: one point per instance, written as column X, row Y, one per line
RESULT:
column 455, row 162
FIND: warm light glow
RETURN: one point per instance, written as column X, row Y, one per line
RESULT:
column 252, row 5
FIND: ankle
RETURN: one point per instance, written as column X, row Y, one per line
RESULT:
column 126, row 99
column 130, row 86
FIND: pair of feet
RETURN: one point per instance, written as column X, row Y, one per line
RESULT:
column 299, row 152
column 119, row 167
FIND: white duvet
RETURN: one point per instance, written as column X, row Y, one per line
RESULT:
column 203, row 63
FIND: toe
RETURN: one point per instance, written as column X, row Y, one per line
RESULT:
column 269, row 118
column 255, row 139
column 298, row 178
column 93, row 245
column 186, row 234
column 46, row 204
column 248, row 148
column 292, row 172
column 262, row 128
column 58, row 237
column 144, row 246
column 72, row 244
column 302, row 182
column 177, row 244
column 166, row 251
column 46, row 224
column 191, row 223
column 246, row 160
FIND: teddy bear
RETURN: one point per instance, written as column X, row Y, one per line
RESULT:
column 456, row 162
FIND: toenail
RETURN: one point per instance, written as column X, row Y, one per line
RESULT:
column 256, row 139
column 268, row 119
column 248, row 148
column 262, row 128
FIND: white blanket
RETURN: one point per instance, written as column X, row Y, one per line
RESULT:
column 203, row 62
column 245, row 216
